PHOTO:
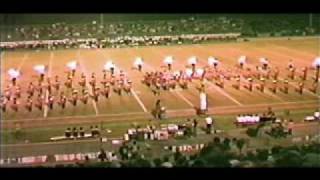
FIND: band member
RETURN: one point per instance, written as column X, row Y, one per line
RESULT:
column 314, row 87
column 286, row 86
column 274, row 86
column 56, row 83
column 304, row 73
column 237, row 84
column 155, row 90
column 95, row 95
column 292, row 72
column 62, row 100
column 18, row 91
column 118, row 88
column 93, row 80
column 14, row 81
column 261, row 85
column 69, row 75
column 267, row 75
column 30, row 89
column 172, row 83
column 40, row 101
column 290, row 64
column 40, row 88
column 29, row 104
column 83, row 81
column 265, row 63
column 157, row 85
column 74, row 97
column 250, row 84
column 104, row 74
column 300, row 87
column 85, row 96
column 68, row 83
column 112, row 70
column 7, row 93
column 104, row 82
column 41, row 78
column 276, row 73
column 50, row 101
column 49, row 86
column 3, row 103
column 128, row 86
column 112, row 80
column 169, row 66
column 122, row 75
column 15, row 104
column 73, row 72
column 202, row 87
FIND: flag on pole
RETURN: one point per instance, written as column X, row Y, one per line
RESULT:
column 109, row 65
column 13, row 73
column 242, row 60
column 138, row 61
column 316, row 62
column 192, row 60
column 212, row 61
column 40, row 69
column 168, row 60
column 72, row 65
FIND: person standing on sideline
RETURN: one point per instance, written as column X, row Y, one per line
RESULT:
column 208, row 124
column 195, row 125
column 158, row 109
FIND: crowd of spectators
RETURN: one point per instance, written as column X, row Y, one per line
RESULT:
column 152, row 32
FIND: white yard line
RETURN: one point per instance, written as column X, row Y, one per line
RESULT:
column 45, row 112
column 139, row 100
column 85, row 72
column 143, row 107
column 225, row 93
column 184, row 99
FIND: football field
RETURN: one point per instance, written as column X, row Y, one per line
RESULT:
column 179, row 102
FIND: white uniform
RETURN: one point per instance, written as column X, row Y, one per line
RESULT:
column 203, row 101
